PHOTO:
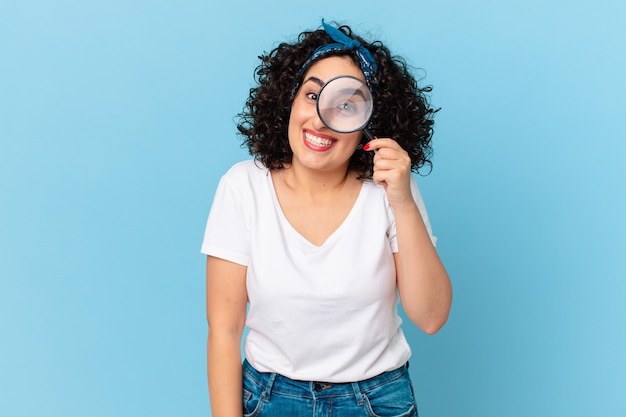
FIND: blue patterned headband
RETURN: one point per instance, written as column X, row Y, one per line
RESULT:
column 343, row 43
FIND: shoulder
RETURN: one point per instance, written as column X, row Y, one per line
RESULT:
column 245, row 172
column 248, row 168
column 378, row 191
column 246, row 181
column 375, row 191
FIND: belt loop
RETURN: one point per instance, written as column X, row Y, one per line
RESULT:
column 266, row 394
column 358, row 394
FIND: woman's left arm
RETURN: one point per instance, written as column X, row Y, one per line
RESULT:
column 423, row 283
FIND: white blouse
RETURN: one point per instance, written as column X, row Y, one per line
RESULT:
column 317, row 313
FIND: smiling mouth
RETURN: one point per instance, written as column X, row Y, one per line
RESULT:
column 317, row 141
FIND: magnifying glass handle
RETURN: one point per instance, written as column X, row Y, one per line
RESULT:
column 367, row 136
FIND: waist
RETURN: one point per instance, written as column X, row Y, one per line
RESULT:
column 317, row 389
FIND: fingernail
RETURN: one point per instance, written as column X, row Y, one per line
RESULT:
column 366, row 147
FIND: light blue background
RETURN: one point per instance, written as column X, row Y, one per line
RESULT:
column 116, row 121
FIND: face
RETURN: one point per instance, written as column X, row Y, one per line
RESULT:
column 314, row 145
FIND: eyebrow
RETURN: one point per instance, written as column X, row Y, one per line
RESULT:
column 315, row 80
column 353, row 92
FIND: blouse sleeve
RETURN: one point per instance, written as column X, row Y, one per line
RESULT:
column 226, row 233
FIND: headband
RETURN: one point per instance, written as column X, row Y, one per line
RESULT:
column 343, row 43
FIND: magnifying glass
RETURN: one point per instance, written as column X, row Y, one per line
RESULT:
column 345, row 105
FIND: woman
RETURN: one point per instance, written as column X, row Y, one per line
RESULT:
column 310, row 243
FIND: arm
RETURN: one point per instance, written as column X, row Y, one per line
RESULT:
column 423, row 283
column 226, row 301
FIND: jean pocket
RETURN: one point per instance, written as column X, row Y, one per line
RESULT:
column 391, row 399
column 252, row 395
column 251, row 403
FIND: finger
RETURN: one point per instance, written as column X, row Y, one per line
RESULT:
column 393, row 154
column 398, row 158
column 380, row 143
column 390, row 165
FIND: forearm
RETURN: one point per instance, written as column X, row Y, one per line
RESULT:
column 423, row 283
column 224, row 372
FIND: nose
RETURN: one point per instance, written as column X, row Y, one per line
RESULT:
column 318, row 124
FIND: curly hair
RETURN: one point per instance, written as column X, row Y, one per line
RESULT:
column 401, row 107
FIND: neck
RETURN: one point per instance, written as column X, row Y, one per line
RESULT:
column 313, row 181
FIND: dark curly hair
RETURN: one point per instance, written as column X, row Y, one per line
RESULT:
column 401, row 107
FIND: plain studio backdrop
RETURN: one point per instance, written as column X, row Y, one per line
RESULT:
column 117, row 120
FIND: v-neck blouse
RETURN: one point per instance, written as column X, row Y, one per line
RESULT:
column 297, row 235
column 317, row 313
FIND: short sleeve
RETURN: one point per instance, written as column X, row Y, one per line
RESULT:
column 227, row 228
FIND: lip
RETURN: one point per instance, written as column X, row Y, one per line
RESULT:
column 318, row 147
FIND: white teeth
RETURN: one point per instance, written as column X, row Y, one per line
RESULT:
column 317, row 141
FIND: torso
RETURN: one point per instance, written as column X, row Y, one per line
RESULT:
column 319, row 309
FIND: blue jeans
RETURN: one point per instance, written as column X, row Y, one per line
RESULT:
column 271, row 395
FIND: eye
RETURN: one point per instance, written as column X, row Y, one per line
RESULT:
column 347, row 107
column 311, row 96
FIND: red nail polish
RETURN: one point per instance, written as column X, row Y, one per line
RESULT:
column 366, row 147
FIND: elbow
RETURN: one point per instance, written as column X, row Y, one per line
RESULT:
column 430, row 324
column 433, row 326
column 233, row 331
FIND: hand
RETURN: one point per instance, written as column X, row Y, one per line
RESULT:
column 392, row 169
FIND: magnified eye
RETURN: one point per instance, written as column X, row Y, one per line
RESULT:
column 347, row 107
column 344, row 104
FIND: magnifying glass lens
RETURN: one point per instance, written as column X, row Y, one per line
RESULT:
column 345, row 104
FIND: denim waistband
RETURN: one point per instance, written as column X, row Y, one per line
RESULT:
column 316, row 389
